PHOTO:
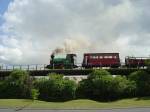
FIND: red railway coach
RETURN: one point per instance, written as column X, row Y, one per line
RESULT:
column 101, row 60
column 136, row 61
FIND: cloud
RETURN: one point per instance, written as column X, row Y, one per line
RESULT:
column 34, row 28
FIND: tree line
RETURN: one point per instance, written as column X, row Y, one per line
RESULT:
column 100, row 85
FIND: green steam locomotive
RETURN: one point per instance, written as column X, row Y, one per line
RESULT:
column 67, row 61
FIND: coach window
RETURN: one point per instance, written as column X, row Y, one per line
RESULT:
column 95, row 57
column 100, row 57
column 110, row 57
column 115, row 57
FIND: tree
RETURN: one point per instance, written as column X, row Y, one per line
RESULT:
column 101, row 85
column 18, row 84
column 56, row 88
column 142, row 80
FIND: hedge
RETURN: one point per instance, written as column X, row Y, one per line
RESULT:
column 100, row 85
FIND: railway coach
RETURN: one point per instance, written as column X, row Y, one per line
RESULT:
column 135, row 62
column 101, row 60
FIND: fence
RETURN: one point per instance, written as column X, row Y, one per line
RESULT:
column 23, row 67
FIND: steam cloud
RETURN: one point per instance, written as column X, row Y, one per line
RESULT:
column 72, row 45
column 58, row 50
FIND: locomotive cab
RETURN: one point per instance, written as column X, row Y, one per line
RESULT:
column 72, row 59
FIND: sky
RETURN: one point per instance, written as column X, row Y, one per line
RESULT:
column 30, row 30
column 3, row 8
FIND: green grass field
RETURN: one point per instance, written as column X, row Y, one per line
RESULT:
column 75, row 104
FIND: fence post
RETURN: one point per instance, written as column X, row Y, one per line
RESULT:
column 36, row 67
column 44, row 66
column 28, row 68
column 20, row 67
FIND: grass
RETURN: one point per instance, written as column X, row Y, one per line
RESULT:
column 75, row 104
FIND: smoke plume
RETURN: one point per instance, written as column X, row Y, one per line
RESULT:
column 58, row 50
column 72, row 45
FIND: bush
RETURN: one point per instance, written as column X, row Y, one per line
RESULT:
column 18, row 85
column 84, row 89
column 142, row 80
column 101, row 85
column 123, row 87
column 95, row 86
column 56, row 88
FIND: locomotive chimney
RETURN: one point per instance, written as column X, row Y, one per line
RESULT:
column 52, row 56
column 52, row 59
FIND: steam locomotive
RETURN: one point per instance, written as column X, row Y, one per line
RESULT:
column 91, row 60
column 67, row 62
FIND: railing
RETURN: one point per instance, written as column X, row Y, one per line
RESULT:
column 43, row 67
column 36, row 67
column 23, row 67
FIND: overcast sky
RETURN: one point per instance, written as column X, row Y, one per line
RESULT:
column 31, row 29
